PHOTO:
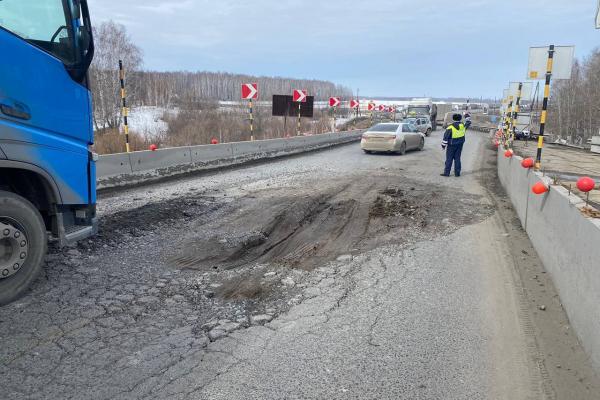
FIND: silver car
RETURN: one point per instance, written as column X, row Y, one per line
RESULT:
column 392, row 138
column 423, row 124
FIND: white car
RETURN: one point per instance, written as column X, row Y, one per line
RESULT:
column 392, row 138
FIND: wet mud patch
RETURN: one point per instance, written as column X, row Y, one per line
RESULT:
column 305, row 232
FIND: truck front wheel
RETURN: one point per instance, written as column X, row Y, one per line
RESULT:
column 23, row 243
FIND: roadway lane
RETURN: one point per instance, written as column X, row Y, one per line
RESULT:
column 333, row 275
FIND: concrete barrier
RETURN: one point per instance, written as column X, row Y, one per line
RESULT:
column 209, row 155
column 143, row 166
column 112, row 165
column 568, row 243
column 159, row 159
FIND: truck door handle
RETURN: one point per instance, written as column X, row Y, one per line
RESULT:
column 15, row 110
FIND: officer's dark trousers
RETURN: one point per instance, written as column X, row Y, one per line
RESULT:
column 453, row 153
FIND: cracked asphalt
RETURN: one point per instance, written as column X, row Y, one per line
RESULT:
column 331, row 275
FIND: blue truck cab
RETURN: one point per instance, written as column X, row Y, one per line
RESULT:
column 47, row 168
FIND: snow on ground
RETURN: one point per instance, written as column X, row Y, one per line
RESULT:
column 147, row 121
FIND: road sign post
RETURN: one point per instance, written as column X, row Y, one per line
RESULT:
column 371, row 107
column 558, row 65
column 250, row 92
column 392, row 110
column 299, row 96
column 517, row 91
column 549, row 66
column 124, row 105
column 354, row 105
column 515, row 116
column 334, row 102
column 507, row 121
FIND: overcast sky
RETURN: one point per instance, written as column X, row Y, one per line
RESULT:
column 436, row 48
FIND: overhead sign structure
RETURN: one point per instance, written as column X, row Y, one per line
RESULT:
column 562, row 62
column 250, row 91
column 354, row 104
column 300, row 96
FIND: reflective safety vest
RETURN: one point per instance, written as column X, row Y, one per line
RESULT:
column 458, row 133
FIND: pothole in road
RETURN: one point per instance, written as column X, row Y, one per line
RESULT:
column 307, row 232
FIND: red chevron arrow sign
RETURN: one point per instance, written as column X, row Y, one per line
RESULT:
column 371, row 106
column 381, row 107
column 354, row 103
column 334, row 101
column 300, row 96
column 249, row 91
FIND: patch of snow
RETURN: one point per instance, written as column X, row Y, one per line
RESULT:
column 147, row 121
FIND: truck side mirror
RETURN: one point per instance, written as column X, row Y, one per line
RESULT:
column 75, row 10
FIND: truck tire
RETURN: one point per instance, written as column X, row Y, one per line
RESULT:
column 23, row 244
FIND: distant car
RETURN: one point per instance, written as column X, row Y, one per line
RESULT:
column 392, row 138
column 525, row 134
column 423, row 124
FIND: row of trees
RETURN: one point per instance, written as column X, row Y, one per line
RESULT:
column 167, row 89
column 178, row 89
column 574, row 110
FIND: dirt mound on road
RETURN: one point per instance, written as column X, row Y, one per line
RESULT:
column 392, row 202
column 305, row 231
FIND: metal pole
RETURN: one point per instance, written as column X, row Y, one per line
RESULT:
column 334, row 119
column 125, row 111
column 549, row 65
column 251, row 121
column 299, row 116
column 515, row 116
column 507, row 122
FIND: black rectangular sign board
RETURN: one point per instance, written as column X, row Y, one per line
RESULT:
column 285, row 106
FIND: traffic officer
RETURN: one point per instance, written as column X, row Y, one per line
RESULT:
column 454, row 139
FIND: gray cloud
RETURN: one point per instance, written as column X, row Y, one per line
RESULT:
column 399, row 46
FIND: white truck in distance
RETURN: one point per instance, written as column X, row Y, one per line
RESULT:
column 422, row 107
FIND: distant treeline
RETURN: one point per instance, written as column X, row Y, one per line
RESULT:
column 167, row 89
column 173, row 89
column 574, row 112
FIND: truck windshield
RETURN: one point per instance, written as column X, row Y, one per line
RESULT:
column 419, row 110
column 44, row 23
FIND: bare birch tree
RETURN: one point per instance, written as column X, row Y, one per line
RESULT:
column 112, row 44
